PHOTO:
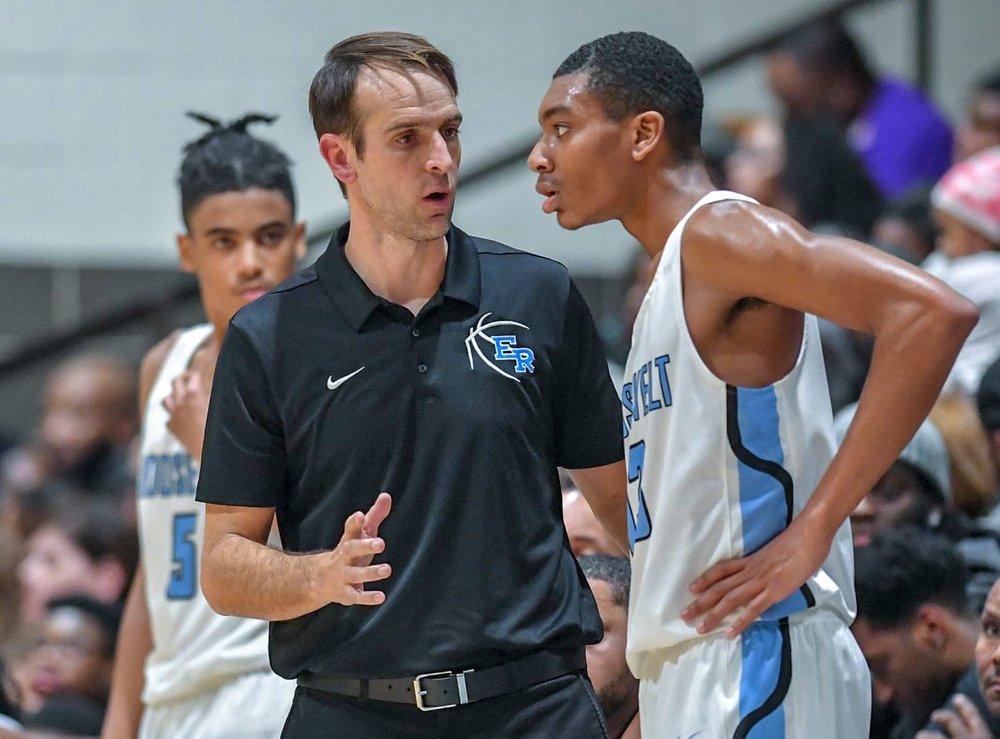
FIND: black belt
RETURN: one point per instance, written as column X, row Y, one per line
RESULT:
column 433, row 691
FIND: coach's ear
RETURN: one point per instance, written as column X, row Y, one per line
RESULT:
column 339, row 154
column 647, row 132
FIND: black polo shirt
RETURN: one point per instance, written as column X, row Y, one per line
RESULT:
column 325, row 394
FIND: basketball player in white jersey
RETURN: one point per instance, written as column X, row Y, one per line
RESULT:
column 182, row 670
column 742, row 589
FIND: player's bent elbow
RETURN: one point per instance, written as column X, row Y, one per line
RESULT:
column 957, row 316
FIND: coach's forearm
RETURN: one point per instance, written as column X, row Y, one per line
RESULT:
column 240, row 577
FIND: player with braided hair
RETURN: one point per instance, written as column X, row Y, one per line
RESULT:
column 182, row 669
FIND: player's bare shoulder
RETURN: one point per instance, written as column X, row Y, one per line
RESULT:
column 739, row 232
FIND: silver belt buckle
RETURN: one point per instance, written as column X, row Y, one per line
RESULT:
column 419, row 692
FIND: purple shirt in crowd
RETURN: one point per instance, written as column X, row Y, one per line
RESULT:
column 902, row 138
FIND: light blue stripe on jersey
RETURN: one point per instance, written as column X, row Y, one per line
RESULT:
column 761, row 670
column 763, row 505
column 762, row 497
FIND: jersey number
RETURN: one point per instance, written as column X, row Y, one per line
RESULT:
column 182, row 578
column 639, row 527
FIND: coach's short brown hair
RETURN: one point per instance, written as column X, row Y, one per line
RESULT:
column 331, row 95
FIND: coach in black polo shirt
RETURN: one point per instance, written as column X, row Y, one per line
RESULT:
column 402, row 406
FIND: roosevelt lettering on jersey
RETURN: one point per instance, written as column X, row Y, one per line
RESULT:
column 168, row 475
column 647, row 391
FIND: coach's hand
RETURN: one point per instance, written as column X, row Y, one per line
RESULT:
column 350, row 566
column 752, row 584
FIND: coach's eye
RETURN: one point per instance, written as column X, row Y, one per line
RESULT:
column 560, row 129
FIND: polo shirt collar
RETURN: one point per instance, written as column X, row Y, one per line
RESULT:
column 356, row 302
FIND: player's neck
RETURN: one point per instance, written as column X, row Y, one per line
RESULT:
column 670, row 192
column 401, row 270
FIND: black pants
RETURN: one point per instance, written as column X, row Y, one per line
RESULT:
column 563, row 707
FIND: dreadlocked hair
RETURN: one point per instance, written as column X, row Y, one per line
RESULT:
column 227, row 158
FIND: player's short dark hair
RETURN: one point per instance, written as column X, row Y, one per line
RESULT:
column 107, row 616
column 331, row 95
column 615, row 571
column 904, row 569
column 229, row 159
column 632, row 72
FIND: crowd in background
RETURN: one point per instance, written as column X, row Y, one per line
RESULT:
column 851, row 152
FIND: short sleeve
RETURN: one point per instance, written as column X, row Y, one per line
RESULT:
column 243, row 458
column 588, row 418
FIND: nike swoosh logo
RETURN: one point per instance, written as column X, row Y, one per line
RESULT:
column 332, row 384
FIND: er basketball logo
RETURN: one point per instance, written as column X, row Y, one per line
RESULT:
column 504, row 347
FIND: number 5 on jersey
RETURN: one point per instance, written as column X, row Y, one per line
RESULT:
column 183, row 576
column 639, row 527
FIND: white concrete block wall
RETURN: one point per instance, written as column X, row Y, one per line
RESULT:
column 92, row 94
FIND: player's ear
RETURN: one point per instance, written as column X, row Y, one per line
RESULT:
column 647, row 132
column 299, row 234
column 185, row 252
column 338, row 153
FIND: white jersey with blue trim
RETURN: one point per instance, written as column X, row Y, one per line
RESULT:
column 195, row 650
column 716, row 471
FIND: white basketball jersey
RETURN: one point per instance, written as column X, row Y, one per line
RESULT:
column 195, row 650
column 716, row 471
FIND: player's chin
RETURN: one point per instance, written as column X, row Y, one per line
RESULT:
column 568, row 221
column 572, row 221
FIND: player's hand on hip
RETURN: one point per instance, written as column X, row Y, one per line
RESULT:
column 349, row 566
column 748, row 586
column 962, row 722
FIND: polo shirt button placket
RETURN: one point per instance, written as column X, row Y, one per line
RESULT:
column 422, row 368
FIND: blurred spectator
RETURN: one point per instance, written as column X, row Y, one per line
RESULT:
column 586, row 534
column 907, row 223
column 967, row 208
column 973, row 479
column 69, row 670
column 9, row 711
column 914, row 624
column 22, row 469
column 804, row 168
column 846, row 356
column 82, row 547
column 988, row 405
column 617, row 690
column 916, row 492
column 10, row 596
column 981, row 129
column 900, row 136
column 89, row 419
column 964, row 718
